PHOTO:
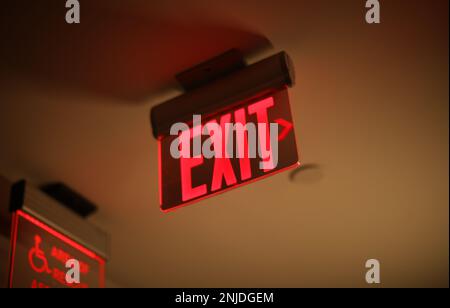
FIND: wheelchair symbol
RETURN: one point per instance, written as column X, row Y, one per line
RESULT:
column 37, row 254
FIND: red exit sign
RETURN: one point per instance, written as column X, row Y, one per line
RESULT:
column 250, row 141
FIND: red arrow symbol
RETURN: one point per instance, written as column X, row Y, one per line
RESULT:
column 287, row 128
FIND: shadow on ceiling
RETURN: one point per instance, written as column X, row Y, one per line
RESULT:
column 114, row 53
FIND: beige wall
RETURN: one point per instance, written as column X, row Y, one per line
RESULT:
column 370, row 108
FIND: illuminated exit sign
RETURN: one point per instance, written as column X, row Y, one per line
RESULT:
column 233, row 125
column 271, row 148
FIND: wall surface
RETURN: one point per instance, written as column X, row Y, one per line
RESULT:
column 371, row 112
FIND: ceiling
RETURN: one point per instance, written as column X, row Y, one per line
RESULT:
column 371, row 118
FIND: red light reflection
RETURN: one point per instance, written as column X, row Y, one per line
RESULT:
column 37, row 258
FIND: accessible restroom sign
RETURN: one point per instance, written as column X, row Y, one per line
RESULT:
column 39, row 254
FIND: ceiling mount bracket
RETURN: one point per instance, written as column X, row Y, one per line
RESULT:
column 211, row 70
column 220, row 83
